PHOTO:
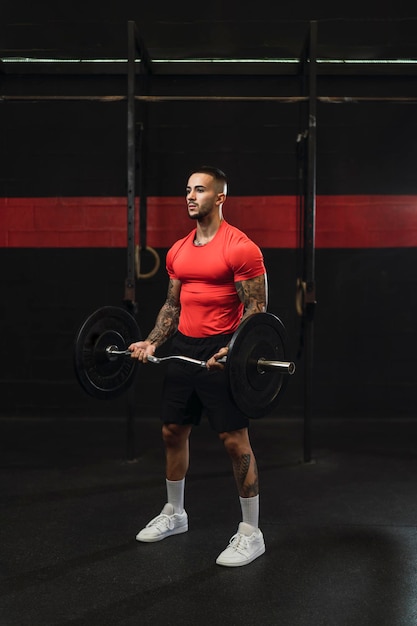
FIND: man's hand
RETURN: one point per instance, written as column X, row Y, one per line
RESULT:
column 213, row 362
column 141, row 349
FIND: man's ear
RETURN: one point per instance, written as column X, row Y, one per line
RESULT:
column 221, row 197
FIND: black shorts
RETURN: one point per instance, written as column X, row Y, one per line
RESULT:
column 190, row 390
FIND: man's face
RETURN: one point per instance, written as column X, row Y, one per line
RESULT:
column 202, row 195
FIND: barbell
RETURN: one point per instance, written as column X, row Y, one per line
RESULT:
column 257, row 365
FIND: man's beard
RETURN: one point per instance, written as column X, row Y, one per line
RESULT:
column 199, row 214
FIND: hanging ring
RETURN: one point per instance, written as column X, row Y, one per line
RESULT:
column 300, row 297
column 155, row 268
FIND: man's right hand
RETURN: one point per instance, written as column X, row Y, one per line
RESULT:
column 141, row 349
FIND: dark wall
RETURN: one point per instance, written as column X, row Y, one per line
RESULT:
column 79, row 148
column 365, row 333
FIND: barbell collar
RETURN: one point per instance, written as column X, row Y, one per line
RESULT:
column 110, row 350
column 286, row 367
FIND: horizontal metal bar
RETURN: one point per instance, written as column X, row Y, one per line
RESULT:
column 353, row 99
column 145, row 98
column 35, row 98
column 284, row 99
column 278, row 99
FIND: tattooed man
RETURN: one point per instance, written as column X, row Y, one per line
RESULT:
column 217, row 278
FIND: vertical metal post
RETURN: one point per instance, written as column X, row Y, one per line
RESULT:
column 134, row 45
column 143, row 193
column 131, row 165
column 309, row 240
column 129, row 296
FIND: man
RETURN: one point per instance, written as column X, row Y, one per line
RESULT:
column 217, row 278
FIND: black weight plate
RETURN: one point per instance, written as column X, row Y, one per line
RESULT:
column 257, row 392
column 102, row 375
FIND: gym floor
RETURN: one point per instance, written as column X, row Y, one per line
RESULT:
column 340, row 531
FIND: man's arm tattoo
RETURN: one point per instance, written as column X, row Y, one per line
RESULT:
column 252, row 293
column 167, row 321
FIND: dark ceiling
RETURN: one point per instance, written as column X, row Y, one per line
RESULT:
column 186, row 30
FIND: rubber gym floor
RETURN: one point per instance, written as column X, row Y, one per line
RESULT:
column 340, row 531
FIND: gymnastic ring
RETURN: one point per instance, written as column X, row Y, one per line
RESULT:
column 300, row 297
column 137, row 262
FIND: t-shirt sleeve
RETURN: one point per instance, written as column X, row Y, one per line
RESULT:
column 168, row 262
column 246, row 260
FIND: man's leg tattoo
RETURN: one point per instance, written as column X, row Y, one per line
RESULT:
column 240, row 469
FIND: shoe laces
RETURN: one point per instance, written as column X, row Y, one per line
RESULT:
column 239, row 542
column 162, row 522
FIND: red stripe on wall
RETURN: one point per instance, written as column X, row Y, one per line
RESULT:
column 271, row 221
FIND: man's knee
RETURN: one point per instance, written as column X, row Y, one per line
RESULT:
column 174, row 435
column 236, row 442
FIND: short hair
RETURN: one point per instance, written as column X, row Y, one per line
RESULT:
column 218, row 175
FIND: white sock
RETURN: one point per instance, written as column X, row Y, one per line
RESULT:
column 175, row 494
column 250, row 510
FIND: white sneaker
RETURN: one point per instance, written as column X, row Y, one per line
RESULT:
column 244, row 547
column 163, row 525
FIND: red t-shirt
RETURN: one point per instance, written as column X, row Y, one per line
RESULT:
column 209, row 301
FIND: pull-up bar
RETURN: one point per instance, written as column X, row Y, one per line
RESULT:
column 185, row 98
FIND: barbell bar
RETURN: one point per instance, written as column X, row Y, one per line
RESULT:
column 262, row 364
column 256, row 366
